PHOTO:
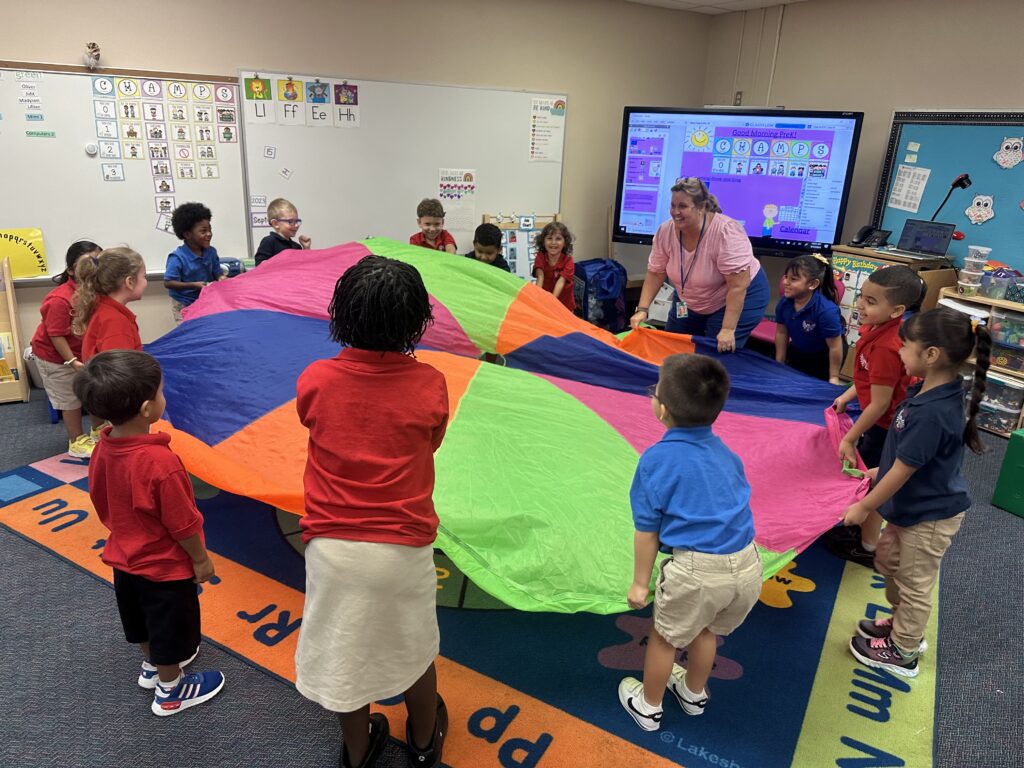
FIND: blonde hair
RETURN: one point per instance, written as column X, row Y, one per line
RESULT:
column 279, row 206
column 695, row 189
column 102, row 274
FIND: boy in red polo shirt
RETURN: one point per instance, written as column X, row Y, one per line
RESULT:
column 432, row 234
column 375, row 416
column 105, row 284
column 880, row 384
column 143, row 496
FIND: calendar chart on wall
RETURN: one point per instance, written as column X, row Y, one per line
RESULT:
column 108, row 156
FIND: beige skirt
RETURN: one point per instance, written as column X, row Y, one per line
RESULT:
column 369, row 626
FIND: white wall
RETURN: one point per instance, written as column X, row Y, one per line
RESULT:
column 603, row 53
column 874, row 56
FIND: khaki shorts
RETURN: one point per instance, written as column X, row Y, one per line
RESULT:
column 57, row 380
column 698, row 591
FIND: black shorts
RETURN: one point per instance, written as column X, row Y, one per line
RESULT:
column 164, row 614
column 870, row 446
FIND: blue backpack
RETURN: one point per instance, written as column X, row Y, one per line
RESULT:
column 599, row 288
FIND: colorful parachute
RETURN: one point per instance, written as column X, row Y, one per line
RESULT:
column 534, row 473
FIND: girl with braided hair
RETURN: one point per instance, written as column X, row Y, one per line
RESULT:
column 375, row 415
column 919, row 488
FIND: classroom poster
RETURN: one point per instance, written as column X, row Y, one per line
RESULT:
column 547, row 130
column 24, row 247
column 456, row 189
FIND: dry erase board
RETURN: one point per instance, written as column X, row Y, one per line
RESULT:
column 107, row 157
column 928, row 150
column 356, row 156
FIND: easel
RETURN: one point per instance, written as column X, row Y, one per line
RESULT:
column 18, row 389
column 517, row 240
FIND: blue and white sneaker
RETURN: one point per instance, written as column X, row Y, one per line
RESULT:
column 148, row 676
column 191, row 690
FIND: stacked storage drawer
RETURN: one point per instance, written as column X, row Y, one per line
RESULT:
column 1001, row 406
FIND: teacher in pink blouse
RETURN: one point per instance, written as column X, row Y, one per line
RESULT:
column 721, row 290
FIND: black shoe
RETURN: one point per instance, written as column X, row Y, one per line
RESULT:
column 431, row 756
column 841, row 534
column 852, row 550
column 379, row 732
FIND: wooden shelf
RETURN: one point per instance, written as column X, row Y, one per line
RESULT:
column 951, row 293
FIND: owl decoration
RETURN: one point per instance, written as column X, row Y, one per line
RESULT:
column 980, row 209
column 1009, row 153
column 91, row 59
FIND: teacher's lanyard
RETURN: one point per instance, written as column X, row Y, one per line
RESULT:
column 693, row 261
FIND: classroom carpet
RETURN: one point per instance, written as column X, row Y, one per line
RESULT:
column 533, row 689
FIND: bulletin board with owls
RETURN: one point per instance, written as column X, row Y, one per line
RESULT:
column 927, row 151
column 106, row 155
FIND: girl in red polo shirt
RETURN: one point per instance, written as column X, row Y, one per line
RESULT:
column 880, row 384
column 554, row 267
column 105, row 284
column 58, row 351
column 375, row 416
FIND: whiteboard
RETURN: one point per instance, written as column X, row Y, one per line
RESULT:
column 359, row 168
column 50, row 182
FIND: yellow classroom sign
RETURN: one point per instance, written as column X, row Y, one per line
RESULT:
column 24, row 247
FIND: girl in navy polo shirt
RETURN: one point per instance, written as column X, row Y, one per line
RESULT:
column 919, row 488
column 375, row 416
column 810, row 335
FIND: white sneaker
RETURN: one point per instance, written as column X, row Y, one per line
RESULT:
column 677, row 685
column 631, row 697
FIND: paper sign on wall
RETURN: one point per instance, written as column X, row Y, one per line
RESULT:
column 547, row 130
column 908, row 188
column 456, row 189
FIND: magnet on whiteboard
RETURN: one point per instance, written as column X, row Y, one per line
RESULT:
column 91, row 149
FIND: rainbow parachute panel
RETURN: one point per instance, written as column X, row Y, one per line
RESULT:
column 533, row 476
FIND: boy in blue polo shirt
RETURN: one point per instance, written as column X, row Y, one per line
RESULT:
column 195, row 263
column 689, row 496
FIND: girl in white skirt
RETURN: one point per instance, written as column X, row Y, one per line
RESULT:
column 375, row 417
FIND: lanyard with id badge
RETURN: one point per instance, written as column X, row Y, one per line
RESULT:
column 682, row 311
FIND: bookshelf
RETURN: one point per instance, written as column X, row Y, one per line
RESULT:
column 16, row 389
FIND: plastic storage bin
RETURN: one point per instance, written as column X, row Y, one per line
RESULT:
column 975, row 262
column 996, row 418
column 993, row 287
column 970, row 277
column 967, row 289
column 1007, row 328
column 1004, row 391
column 1010, row 358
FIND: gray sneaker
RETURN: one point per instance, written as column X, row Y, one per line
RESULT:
column 878, row 628
column 677, row 685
